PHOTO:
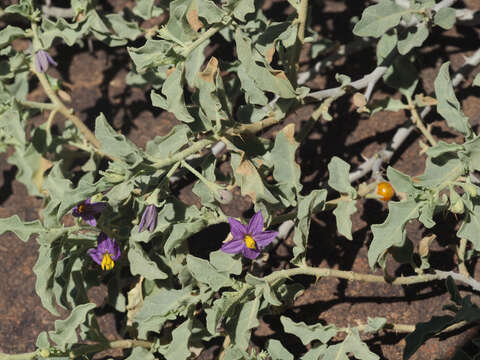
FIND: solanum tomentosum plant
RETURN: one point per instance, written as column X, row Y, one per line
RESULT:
column 109, row 212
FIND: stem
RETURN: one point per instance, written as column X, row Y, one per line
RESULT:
column 417, row 120
column 205, row 36
column 461, row 257
column 225, row 345
column 38, row 105
column 405, row 328
column 295, row 54
column 353, row 276
column 199, row 145
column 65, row 111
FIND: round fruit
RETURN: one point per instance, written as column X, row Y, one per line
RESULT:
column 385, row 190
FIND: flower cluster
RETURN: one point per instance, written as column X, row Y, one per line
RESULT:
column 248, row 239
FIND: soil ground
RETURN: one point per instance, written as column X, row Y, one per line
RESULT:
column 96, row 78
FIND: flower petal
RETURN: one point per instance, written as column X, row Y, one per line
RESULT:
column 90, row 220
column 255, row 225
column 250, row 253
column 233, row 247
column 96, row 208
column 50, row 59
column 265, row 238
column 237, row 229
column 142, row 222
column 95, row 255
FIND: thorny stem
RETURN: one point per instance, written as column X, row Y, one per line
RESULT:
column 417, row 120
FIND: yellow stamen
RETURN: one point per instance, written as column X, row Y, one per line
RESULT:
column 81, row 207
column 107, row 262
column 250, row 242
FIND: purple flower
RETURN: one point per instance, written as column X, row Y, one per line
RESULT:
column 43, row 60
column 248, row 239
column 88, row 211
column 106, row 253
column 149, row 219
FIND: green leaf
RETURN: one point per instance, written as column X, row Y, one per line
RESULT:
column 375, row 324
column 116, row 144
column 308, row 333
column 392, row 231
column 403, row 75
column 153, row 53
column 265, row 78
column 249, row 180
column 69, row 33
column 445, row 18
column 204, row 272
column 24, row 230
column 442, row 148
column 423, row 332
column 338, row 171
column 246, row 321
column 342, row 213
column 66, row 330
column 194, row 62
column 123, row 28
column 377, row 19
column 315, row 352
column 400, row 181
column 178, row 349
column 174, row 101
column 448, row 105
column 242, row 8
column 441, row 170
column 140, row 264
column 277, row 351
column 164, row 301
column 162, row 147
column 306, row 206
column 470, row 227
column 225, row 263
column 286, row 171
column 146, row 9
column 386, row 45
column 413, row 36
column 8, row 34
column 351, row 345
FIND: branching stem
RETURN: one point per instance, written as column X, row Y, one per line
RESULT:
column 353, row 276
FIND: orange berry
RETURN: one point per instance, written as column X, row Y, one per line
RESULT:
column 385, row 190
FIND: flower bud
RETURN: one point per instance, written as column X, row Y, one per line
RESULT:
column 224, row 196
